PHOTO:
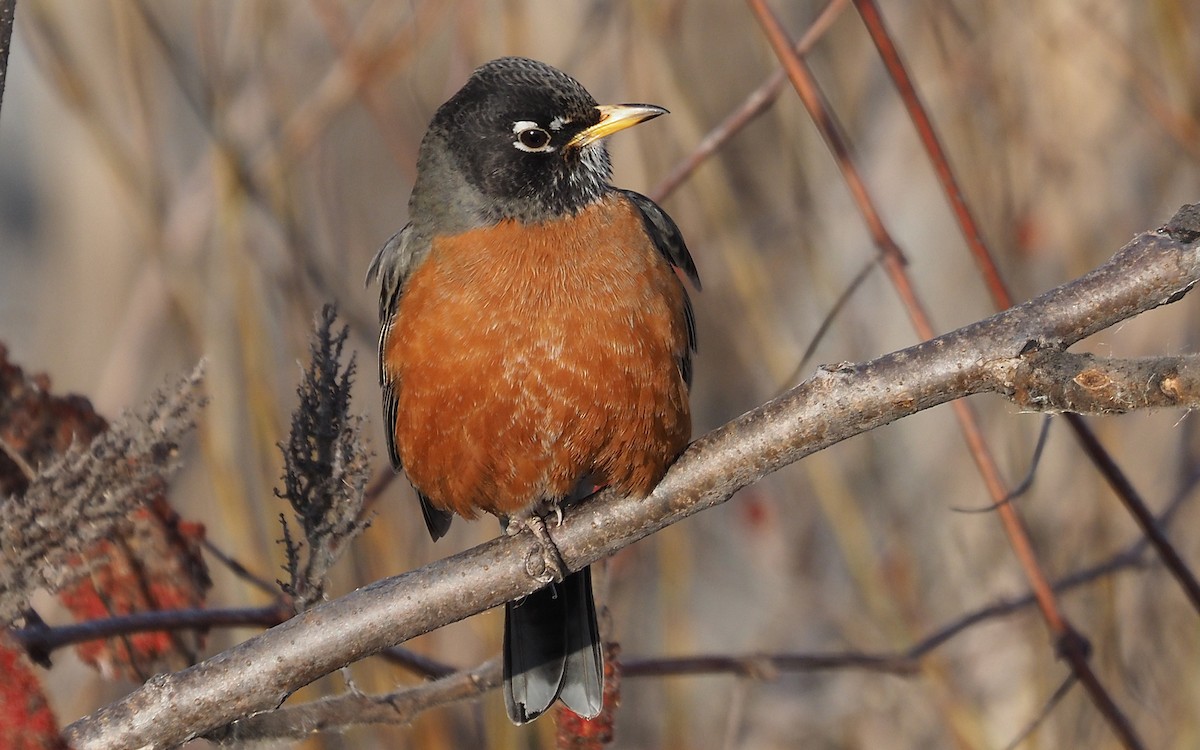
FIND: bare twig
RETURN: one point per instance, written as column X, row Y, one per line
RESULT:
column 768, row 666
column 240, row 570
column 1059, row 693
column 827, row 322
column 1129, row 496
column 1024, row 485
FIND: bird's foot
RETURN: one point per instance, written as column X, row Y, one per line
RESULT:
column 553, row 568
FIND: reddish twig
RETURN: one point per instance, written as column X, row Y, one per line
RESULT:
column 1112, row 473
column 872, row 19
column 1069, row 644
column 757, row 102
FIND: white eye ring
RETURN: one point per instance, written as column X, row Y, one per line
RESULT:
column 531, row 138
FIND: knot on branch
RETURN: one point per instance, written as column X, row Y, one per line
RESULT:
column 1184, row 226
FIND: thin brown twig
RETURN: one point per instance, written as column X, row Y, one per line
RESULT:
column 1002, row 297
column 1129, row 496
column 1069, row 644
column 755, row 103
column 240, row 570
column 827, row 322
column 1027, row 481
column 894, row 64
column 1059, row 693
column 418, row 663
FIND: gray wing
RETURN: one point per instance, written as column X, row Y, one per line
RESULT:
column 391, row 267
column 669, row 241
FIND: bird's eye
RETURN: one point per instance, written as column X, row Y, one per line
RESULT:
column 530, row 137
column 535, row 138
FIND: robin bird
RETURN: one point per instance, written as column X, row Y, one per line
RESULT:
column 536, row 341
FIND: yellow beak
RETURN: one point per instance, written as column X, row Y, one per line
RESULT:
column 614, row 117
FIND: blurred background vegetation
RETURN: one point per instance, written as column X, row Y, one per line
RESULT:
column 185, row 179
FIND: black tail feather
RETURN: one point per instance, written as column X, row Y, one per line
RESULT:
column 552, row 650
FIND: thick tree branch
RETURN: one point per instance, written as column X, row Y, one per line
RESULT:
column 836, row 403
column 403, row 706
column 1086, row 384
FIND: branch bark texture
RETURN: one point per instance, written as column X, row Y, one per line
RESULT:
column 836, row 403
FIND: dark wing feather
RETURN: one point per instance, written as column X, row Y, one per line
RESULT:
column 669, row 240
column 666, row 235
column 436, row 519
column 391, row 268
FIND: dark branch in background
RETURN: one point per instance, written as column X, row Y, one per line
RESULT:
column 8, row 14
column 86, row 494
column 270, row 587
column 41, row 640
column 1024, row 485
column 836, row 403
column 326, row 466
column 1056, row 697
